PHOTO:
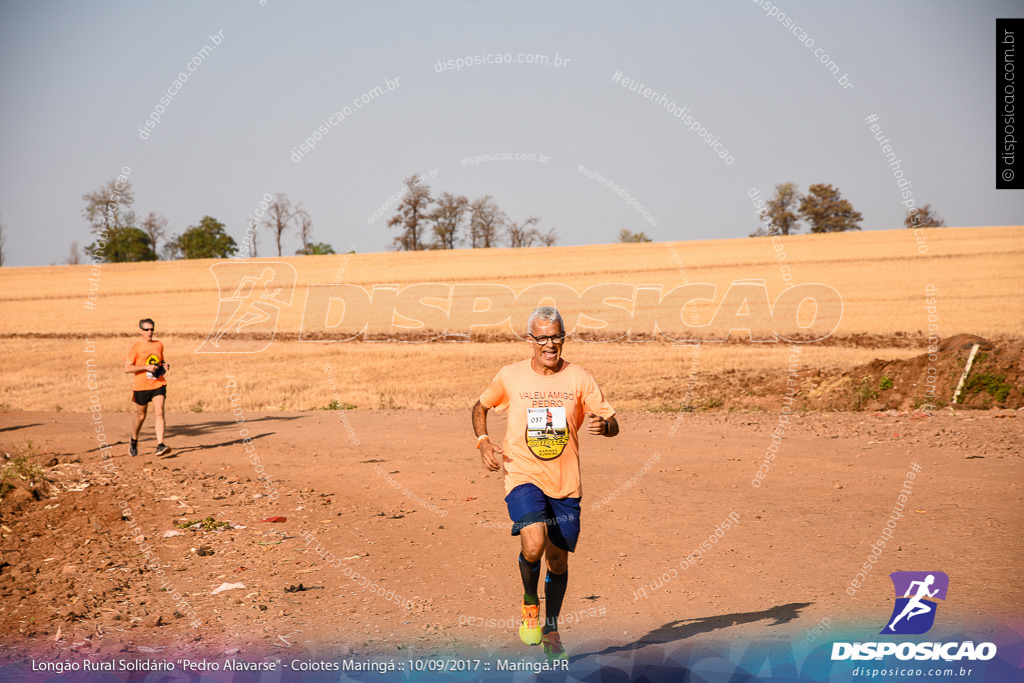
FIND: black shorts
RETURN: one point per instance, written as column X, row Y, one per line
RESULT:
column 141, row 398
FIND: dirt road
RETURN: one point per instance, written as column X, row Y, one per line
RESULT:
column 98, row 565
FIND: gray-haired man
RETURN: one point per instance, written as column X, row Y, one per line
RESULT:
column 547, row 399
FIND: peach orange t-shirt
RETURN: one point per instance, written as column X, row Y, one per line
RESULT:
column 544, row 414
column 146, row 353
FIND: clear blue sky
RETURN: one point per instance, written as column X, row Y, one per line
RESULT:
column 79, row 79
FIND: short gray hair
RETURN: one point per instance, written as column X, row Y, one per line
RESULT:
column 548, row 314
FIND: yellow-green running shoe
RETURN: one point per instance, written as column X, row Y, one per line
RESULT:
column 530, row 630
column 553, row 646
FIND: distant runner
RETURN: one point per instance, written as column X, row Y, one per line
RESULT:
column 547, row 398
column 145, row 358
column 549, row 425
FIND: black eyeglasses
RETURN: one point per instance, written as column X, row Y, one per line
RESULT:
column 147, row 329
column 541, row 341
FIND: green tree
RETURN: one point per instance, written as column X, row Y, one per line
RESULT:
column 315, row 249
column 630, row 236
column 924, row 218
column 111, row 219
column 826, row 210
column 412, row 215
column 780, row 213
column 122, row 245
column 206, row 240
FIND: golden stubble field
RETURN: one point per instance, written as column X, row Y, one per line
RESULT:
column 64, row 326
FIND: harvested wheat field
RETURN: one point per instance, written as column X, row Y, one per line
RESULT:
column 323, row 497
column 871, row 295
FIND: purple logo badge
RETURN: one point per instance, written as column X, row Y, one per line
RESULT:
column 916, row 595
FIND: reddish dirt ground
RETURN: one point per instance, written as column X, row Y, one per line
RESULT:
column 401, row 498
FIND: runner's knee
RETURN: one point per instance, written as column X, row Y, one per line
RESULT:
column 533, row 542
column 558, row 560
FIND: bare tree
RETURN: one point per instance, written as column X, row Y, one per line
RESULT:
column 522, row 234
column 172, row 251
column 155, row 226
column 486, row 223
column 412, row 213
column 448, row 218
column 74, row 256
column 280, row 216
column 549, row 238
column 305, row 229
column 109, row 207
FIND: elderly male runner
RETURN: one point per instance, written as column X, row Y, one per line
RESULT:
column 540, row 462
column 145, row 359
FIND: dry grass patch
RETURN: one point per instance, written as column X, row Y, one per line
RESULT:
column 303, row 376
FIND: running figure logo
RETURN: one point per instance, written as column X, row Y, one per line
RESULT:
column 247, row 316
column 916, row 594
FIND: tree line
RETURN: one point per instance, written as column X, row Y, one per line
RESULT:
column 824, row 209
column 450, row 221
column 446, row 222
column 121, row 236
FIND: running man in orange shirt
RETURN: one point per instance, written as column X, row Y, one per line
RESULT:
column 547, row 398
column 146, row 360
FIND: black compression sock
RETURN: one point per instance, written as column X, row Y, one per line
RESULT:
column 530, row 571
column 554, row 592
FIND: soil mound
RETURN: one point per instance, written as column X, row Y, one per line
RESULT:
column 930, row 380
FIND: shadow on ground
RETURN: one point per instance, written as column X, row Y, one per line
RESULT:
column 687, row 628
column 212, row 426
column 178, row 450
